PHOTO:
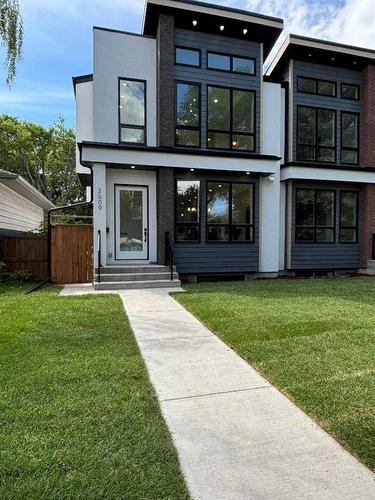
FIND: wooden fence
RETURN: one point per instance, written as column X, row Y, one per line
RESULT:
column 26, row 253
column 71, row 253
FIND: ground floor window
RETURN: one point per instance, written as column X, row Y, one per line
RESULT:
column 348, row 217
column 315, row 216
column 187, row 210
column 230, row 212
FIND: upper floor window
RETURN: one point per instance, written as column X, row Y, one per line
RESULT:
column 230, row 118
column 226, row 62
column 316, row 134
column 188, row 57
column 187, row 114
column 349, row 137
column 315, row 216
column 314, row 86
column 187, row 210
column 132, row 111
column 350, row 91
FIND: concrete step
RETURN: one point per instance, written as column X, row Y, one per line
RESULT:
column 121, row 277
column 368, row 271
column 147, row 268
column 133, row 285
column 371, row 264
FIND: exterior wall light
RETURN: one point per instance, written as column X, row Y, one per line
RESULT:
column 222, row 27
column 244, row 31
column 195, row 22
column 271, row 178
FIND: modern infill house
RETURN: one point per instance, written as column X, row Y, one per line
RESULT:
column 199, row 154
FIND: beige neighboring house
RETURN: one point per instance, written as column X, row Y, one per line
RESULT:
column 22, row 207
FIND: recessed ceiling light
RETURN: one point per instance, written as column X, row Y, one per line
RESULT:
column 192, row 170
column 222, row 27
column 247, row 173
column 332, row 58
column 244, row 31
column 195, row 22
column 354, row 62
column 133, row 166
column 310, row 54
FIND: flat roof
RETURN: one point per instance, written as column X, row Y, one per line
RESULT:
column 319, row 52
column 209, row 17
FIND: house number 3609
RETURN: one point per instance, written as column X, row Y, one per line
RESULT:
column 100, row 199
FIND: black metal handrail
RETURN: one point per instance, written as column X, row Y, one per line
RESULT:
column 99, row 253
column 169, row 253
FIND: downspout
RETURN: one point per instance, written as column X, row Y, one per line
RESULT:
column 79, row 204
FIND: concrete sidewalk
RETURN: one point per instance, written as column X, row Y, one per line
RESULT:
column 236, row 435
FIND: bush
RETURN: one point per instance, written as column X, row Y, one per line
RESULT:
column 14, row 276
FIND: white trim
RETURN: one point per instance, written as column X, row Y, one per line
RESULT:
column 25, row 189
column 327, row 174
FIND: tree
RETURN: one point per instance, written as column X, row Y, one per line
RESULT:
column 11, row 35
column 44, row 156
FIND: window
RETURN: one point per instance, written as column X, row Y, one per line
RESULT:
column 350, row 91
column 187, row 210
column 348, row 217
column 188, row 57
column 316, row 134
column 235, row 64
column 314, row 86
column 230, row 212
column 349, row 137
column 187, row 115
column 230, row 119
column 315, row 216
column 132, row 111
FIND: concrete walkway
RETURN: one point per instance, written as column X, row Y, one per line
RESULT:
column 236, row 435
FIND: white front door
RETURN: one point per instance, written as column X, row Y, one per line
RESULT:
column 131, row 215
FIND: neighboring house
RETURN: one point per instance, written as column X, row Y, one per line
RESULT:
column 22, row 207
column 248, row 173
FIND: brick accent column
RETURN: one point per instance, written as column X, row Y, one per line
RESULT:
column 367, row 153
column 165, row 208
column 165, row 80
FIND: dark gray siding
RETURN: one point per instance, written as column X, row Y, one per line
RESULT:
column 338, row 75
column 195, row 258
column 204, row 76
column 324, row 256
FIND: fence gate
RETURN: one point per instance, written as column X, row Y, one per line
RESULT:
column 71, row 253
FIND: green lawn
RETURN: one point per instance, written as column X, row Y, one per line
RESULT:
column 78, row 416
column 314, row 339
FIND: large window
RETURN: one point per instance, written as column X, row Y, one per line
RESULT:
column 230, row 119
column 187, row 210
column 132, row 111
column 348, row 217
column 314, row 86
column 230, row 212
column 187, row 114
column 235, row 64
column 315, row 216
column 349, row 137
column 187, row 57
column 350, row 91
column 316, row 134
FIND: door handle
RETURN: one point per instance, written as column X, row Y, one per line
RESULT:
column 145, row 234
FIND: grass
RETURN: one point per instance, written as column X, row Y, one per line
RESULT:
column 313, row 339
column 78, row 416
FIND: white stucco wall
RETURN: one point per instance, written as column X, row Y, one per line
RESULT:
column 117, row 55
column 17, row 213
column 84, row 118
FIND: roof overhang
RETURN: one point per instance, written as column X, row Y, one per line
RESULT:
column 362, row 175
column 19, row 185
column 319, row 52
column 81, row 79
column 153, row 157
column 260, row 28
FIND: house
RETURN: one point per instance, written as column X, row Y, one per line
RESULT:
column 199, row 155
column 22, row 207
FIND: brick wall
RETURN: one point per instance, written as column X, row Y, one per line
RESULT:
column 367, row 160
column 165, row 80
column 165, row 208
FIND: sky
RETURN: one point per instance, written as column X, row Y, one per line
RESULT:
column 58, row 42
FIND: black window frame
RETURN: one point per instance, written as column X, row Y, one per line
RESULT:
column 317, row 81
column 198, row 223
column 356, row 227
column 193, row 49
column 128, row 126
column 356, row 85
column 342, row 148
column 229, row 224
column 230, row 131
column 231, row 56
column 198, row 128
column 316, row 146
column 315, row 227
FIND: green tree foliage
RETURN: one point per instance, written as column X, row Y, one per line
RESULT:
column 11, row 35
column 44, row 156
